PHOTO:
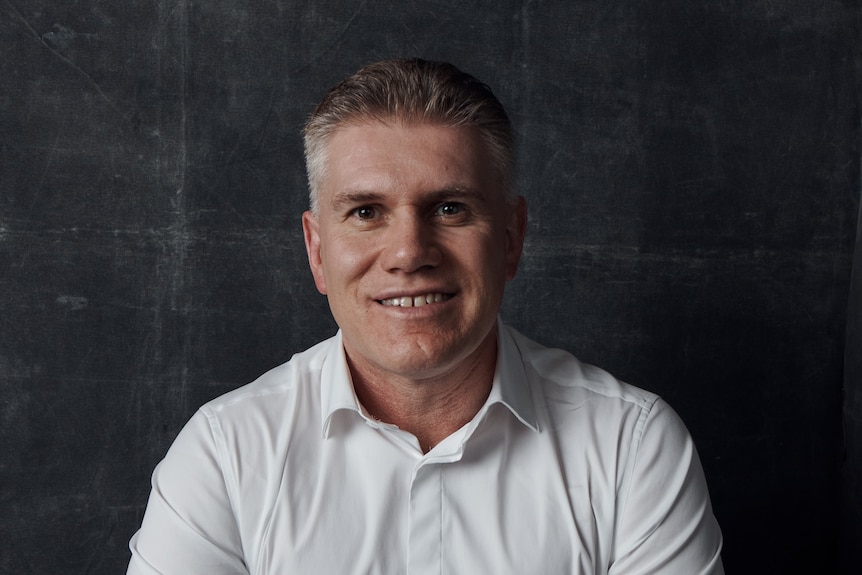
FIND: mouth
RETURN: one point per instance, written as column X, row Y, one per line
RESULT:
column 415, row 301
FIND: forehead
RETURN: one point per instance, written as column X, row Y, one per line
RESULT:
column 380, row 154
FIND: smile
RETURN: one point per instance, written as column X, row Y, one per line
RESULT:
column 417, row 301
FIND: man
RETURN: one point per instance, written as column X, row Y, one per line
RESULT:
column 426, row 436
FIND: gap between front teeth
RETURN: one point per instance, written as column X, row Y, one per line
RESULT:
column 417, row 301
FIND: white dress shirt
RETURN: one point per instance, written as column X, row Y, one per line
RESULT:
column 563, row 470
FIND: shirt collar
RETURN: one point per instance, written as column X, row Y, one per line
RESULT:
column 510, row 386
column 336, row 387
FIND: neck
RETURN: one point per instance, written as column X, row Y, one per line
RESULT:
column 431, row 408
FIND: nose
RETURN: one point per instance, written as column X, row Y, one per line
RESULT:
column 410, row 244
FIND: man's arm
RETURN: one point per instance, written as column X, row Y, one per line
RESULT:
column 189, row 527
column 665, row 523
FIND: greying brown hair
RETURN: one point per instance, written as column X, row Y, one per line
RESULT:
column 410, row 91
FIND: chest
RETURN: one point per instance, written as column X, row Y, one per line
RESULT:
column 504, row 509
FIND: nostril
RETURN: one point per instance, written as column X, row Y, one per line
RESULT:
column 411, row 255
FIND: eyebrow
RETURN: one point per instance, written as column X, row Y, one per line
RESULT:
column 456, row 193
column 349, row 198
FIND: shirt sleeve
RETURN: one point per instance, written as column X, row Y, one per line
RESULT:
column 665, row 523
column 189, row 526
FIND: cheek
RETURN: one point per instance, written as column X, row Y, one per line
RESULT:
column 345, row 259
column 483, row 263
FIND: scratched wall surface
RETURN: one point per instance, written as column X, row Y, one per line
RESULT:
column 693, row 175
column 851, row 532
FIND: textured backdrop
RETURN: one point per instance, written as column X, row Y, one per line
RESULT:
column 692, row 169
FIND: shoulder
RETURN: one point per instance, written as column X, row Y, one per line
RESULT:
column 287, row 396
column 279, row 384
column 590, row 412
column 251, row 427
column 587, row 401
column 559, row 375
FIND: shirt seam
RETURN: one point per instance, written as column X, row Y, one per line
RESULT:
column 646, row 410
column 440, row 544
column 219, row 443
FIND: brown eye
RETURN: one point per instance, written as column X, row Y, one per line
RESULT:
column 365, row 213
column 450, row 209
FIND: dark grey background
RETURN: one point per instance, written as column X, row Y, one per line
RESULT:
column 693, row 174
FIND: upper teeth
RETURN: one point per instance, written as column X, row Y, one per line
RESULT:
column 414, row 301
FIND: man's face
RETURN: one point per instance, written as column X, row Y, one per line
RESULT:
column 413, row 244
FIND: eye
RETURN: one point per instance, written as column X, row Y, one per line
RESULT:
column 364, row 213
column 450, row 209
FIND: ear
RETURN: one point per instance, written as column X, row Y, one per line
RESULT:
column 516, row 230
column 311, row 233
